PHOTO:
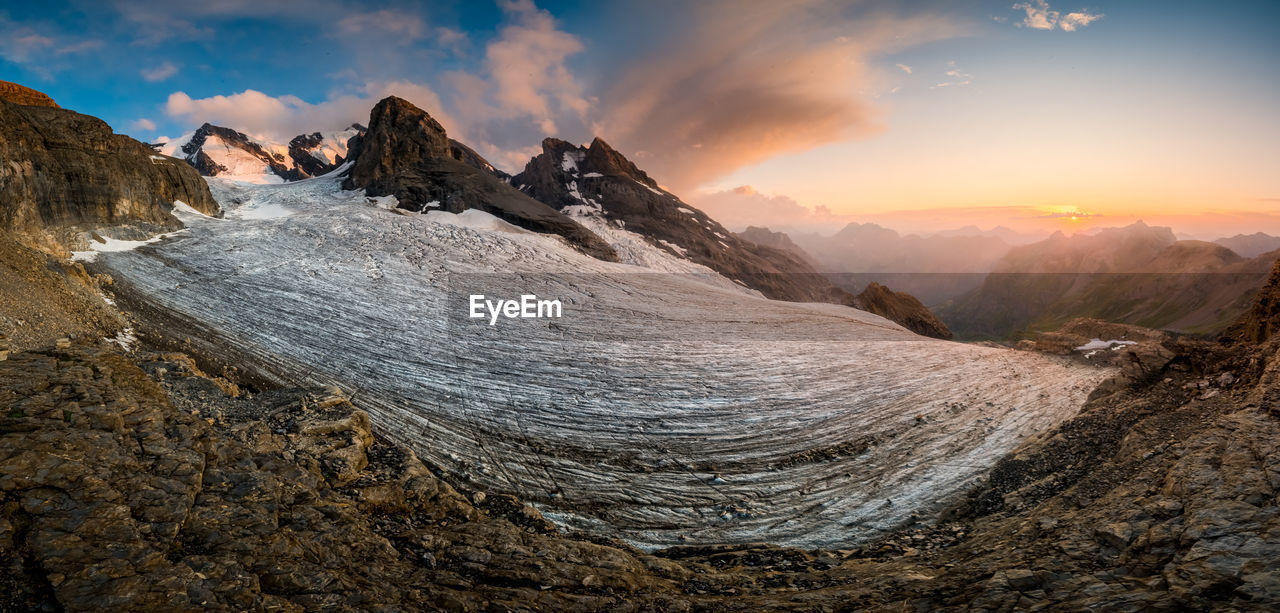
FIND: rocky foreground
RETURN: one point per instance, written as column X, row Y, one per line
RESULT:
column 135, row 482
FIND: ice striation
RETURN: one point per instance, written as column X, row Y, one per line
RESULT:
column 667, row 406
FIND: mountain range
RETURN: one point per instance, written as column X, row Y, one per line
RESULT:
column 1136, row 274
column 582, row 193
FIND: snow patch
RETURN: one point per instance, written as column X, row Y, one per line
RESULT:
column 474, row 219
column 641, row 184
column 126, row 339
column 184, row 211
column 113, row 245
column 1098, row 343
column 591, row 175
column 569, row 163
column 675, row 247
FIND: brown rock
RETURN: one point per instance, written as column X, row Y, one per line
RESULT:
column 64, row 175
column 19, row 94
column 406, row 153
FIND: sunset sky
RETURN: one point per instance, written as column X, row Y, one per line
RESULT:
column 920, row 116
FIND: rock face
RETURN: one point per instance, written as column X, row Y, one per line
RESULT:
column 19, row 94
column 406, row 153
column 63, row 175
column 43, row 298
column 901, row 308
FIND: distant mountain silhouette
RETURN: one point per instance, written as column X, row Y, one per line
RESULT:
column 1250, row 245
column 1136, row 274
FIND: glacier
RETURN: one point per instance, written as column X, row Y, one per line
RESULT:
column 669, row 405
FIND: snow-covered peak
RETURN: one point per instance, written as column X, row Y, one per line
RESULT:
column 218, row 151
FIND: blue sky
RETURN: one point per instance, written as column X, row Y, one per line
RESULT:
column 1118, row 110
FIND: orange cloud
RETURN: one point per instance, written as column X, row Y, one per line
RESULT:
column 752, row 80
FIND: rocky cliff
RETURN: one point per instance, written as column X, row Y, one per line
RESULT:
column 1260, row 322
column 64, row 175
column 406, row 153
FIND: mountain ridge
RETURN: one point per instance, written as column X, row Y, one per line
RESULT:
column 65, row 176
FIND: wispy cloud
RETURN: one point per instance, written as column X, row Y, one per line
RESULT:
column 385, row 22
column 160, row 73
column 40, row 47
column 904, row 68
column 1068, row 215
column 1072, row 21
column 955, row 76
column 143, row 124
column 752, row 80
column 1039, row 16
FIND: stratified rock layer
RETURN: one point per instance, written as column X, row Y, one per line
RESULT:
column 63, row 174
column 20, row 94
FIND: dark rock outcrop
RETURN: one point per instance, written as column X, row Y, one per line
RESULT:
column 901, row 308
column 300, row 151
column 406, row 153
column 468, row 156
column 1262, row 320
column 20, row 94
column 64, row 175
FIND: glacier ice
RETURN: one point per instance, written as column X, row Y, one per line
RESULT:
column 668, row 405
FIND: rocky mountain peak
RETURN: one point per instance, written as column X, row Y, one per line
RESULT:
column 21, row 94
column 406, row 153
column 606, row 160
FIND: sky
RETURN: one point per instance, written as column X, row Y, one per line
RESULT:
column 1037, row 115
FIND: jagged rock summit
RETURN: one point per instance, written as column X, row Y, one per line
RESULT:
column 406, row 153
column 64, row 175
